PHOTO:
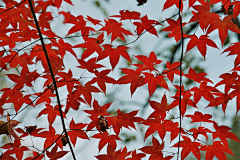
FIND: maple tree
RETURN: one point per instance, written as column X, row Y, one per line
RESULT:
column 34, row 59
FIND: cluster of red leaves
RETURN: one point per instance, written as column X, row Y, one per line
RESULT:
column 21, row 28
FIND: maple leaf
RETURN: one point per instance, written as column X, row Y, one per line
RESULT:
column 114, row 27
column 92, row 45
column 54, row 155
column 185, row 99
column 93, row 21
column 126, row 14
column 136, row 156
column 172, row 69
column 200, row 131
column 75, row 131
column 155, row 150
column 52, row 112
column 102, row 79
column 235, row 93
column 63, row 47
column 79, row 25
column 16, row 97
column 51, row 137
column 170, row 3
column 153, row 82
column 66, row 79
column 236, row 10
column 105, row 138
column 160, row 108
column 197, row 77
column 132, row 77
column 223, row 26
column 146, row 24
column 15, row 148
column 175, row 29
column 199, row 117
column 26, row 77
column 162, row 126
column 91, row 65
column 112, row 154
column 8, row 128
column 86, row 91
column 114, row 54
column 96, row 112
column 216, row 149
column 222, row 132
column 148, row 62
column 234, row 50
column 73, row 102
column 123, row 120
column 204, row 11
column 201, row 44
column 204, row 91
column 188, row 147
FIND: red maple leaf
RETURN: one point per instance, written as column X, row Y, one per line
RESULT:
column 199, row 117
column 170, row 3
column 148, row 62
column 75, row 131
column 155, row 150
column 112, row 154
column 201, row 44
column 16, row 97
column 96, row 112
column 236, row 10
column 26, row 77
column 185, row 100
column 216, row 149
column 54, row 155
column 114, row 54
column 91, row 65
column 14, row 148
column 51, row 137
column 86, row 91
column 160, row 108
column 162, row 126
column 133, row 77
column 102, row 79
column 222, row 132
column 52, row 112
column 172, row 69
column 204, row 11
column 68, row 80
column 204, row 91
column 188, row 147
column 124, row 120
column 175, row 29
column 93, row 21
column 154, row 81
column 197, row 77
column 92, row 45
column 146, row 24
column 126, row 14
column 223, row 26
column 234, row 50
column 136, row 156
column 114, row 27
column 200, row 131
column 105, row 138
